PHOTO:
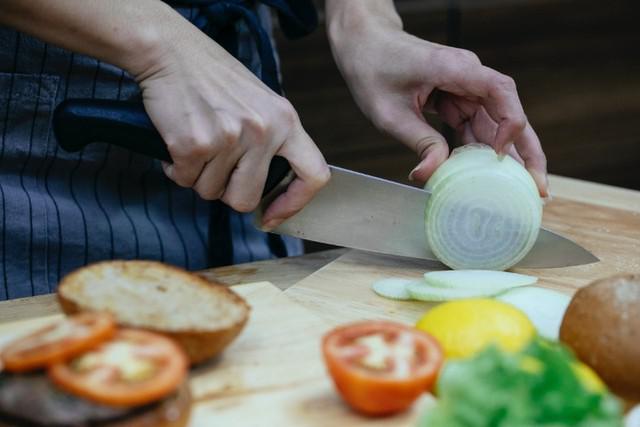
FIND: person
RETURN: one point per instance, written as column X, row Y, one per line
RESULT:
column 208, row 80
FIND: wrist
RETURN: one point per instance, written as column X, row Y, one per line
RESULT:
column 144, row 48
column 348, row 19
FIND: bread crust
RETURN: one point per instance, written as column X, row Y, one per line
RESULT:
column 199, row 344
column 601, row 325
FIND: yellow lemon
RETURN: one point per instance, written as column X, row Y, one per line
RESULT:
column 589, row 379
column 465, row 327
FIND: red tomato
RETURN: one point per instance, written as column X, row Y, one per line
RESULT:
column 381, row 367
column 134, row 368
column 59, row 341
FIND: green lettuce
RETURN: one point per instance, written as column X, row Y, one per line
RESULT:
column 537, row 387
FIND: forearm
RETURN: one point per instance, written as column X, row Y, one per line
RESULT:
column 355, row 14
column 122, row 32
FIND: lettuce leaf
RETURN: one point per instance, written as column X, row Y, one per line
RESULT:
column 537, row 387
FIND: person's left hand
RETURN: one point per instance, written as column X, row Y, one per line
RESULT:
column 395, row 78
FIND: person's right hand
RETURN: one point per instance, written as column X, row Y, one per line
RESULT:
column 222, row 126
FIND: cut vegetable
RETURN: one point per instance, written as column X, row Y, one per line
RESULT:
column 135, row 368
column 544, row 307
column 536, row 387
column 494, row 281
column 58, row 342
column 425, row 292
column 381, row 367
column 484, row 212
column 394, row 288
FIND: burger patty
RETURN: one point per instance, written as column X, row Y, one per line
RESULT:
column 31, row 400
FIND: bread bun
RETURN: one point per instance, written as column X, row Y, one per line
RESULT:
column 602, row 326
column 202, row 316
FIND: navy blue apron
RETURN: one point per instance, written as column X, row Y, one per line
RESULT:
column 59, row 210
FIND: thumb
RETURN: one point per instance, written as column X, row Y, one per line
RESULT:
column 427, row 142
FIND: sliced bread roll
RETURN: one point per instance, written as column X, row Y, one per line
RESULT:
column 203, row 317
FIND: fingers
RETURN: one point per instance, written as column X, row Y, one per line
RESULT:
column 312, row 173
column 495, row 91
column 530, row 149
column 410, row 127
column 474, row 124
column 212, row 182
column 205, row 140
column 433, row 151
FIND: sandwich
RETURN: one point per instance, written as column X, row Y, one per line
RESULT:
column 85, row 371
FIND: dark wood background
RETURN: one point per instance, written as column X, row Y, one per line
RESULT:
column 576, row 63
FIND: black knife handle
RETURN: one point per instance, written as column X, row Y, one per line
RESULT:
column 79, row 122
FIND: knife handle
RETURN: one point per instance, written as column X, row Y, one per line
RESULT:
column 79, row 122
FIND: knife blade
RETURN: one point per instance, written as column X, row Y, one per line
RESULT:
column 376, row 215
column 354, row 210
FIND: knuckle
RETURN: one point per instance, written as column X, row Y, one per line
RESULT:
column 257, row 126
column 240, row 203
column 286, row 112
column 208, row 192
column 195, row 144
column 467, row 56
column 179, row 177
column 243, row 204
column 229, row 133
column 519, row 122
column 505, row 82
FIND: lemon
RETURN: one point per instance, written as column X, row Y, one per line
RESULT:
column 589, row 379
column 465, row 327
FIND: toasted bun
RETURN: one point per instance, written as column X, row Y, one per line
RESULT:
column 601, row 325
column 202, row 316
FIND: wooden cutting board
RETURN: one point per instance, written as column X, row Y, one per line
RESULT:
column 604, row 220
column 272, row 375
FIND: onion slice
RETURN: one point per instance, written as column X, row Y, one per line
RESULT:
column 484, row 211
column 496, row 281
column 393, row 288
column 424, row 292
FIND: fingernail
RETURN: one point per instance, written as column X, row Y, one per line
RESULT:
column 506, row 148
column 412, row 173
column 271, row 224
column 168, row 169
column 541, row 178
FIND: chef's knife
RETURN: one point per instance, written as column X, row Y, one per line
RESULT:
column 354, row 210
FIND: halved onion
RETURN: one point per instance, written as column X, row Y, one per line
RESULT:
column 484, row 212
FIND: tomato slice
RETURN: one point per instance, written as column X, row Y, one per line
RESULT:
column 134, row 368
column 59, row 341
column 381, row 367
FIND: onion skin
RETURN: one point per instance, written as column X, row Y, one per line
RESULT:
column 484, row 212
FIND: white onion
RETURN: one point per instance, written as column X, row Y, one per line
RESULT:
column 496, row 281
column 484, row 212
column 393, row 288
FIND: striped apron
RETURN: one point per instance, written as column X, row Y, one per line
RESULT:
column 60, row 211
